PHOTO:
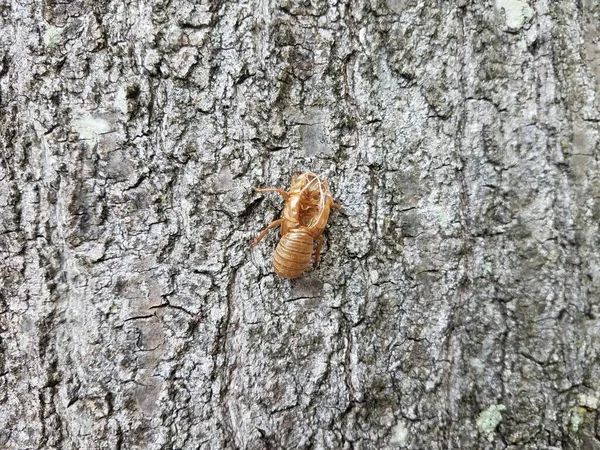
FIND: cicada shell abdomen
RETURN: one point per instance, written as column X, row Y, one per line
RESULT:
column 293, row 253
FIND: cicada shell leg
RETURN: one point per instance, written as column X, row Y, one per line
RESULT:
column 318, row 251
column 260, row 237
column 281, row 192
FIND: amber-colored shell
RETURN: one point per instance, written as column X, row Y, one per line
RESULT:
column 293, row 253
column 304, row 218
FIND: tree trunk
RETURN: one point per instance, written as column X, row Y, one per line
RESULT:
column 457, row 303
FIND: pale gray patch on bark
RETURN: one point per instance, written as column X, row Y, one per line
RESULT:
column 457, row 301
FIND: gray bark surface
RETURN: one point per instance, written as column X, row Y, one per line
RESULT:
column 457, row 303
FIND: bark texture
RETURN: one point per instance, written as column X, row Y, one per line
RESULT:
column 457, row 302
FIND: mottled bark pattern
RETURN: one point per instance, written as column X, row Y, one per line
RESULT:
column 456, row 305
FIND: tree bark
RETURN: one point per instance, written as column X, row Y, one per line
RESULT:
column 457, row 303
